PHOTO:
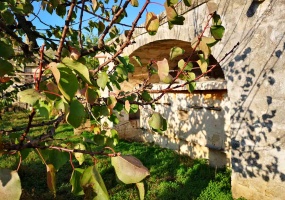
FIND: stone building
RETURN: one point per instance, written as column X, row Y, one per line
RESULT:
column 237, row 118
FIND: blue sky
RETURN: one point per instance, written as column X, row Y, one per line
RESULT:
column 56, row 20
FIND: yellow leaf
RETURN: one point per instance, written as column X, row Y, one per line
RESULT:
column 151, row 23
column 203, row 66
column 127, row 106
column 94, row 4
column 135, row 3
column 51, row 179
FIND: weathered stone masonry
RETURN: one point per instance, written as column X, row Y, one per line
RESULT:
column 251, row 123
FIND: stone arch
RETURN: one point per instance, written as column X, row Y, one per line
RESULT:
column 158, row 50
column 198, row 121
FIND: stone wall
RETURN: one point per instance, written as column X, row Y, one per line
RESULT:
column 198, row 123
column 254, row 73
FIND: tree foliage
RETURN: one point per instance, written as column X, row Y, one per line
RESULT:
column 69, row 81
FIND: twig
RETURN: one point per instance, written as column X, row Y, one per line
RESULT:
column 38, row 80
column 65, row 29
column 115, row 17
column 24, row 135
column 70, row 160
column 80, row 24
column 41, row 156
column 20, row 162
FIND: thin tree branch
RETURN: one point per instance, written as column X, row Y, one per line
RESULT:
column 115, row 17
column 65, row 29
column 16, row 129
column 24, row 135
column 80, row 24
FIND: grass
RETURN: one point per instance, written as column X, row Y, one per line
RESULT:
column 172, row 176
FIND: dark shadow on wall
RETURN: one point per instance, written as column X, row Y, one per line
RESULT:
column 252, row 131
column 253, row 8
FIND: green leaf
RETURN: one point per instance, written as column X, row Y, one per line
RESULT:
column 101, row 27
column 78, row 67
column 187, row 67
column 53, row 67
column 54, row 157
column 156, row 121
column 113, row 118
column 8, row 17
column 172, row 16
column 151, row 23
column 129, row 169
column 171, row 2
column 111, row 102
column 122, row 72
column 75, row 181
column 93, row 184
column 187, row 2
column 217, row 31
column 113, row 32
column 76, row 114
column 79, row 156
column 176, row 51
column 141, row 190
column 24, row 152
column 138, row 60
column 205, row 49
column 210, row 41
column 51, row 178
column 191, row 83
column 61, row 104
column 44, row 109
column 135, row 3
column 102, row 80
column 28, row 7
column 191, row 86
column 91, row 95
column 52, row 89
column 217, row 19
column 10, row 184
column 61, row 10
column 134, row 108
column 167, row 79
column 68, row 83
column 5, row 67
column 30, row 96
column 203, row 63
column 146, row 96
column 99, row 111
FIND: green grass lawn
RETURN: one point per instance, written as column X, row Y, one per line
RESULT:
column 172, row 176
